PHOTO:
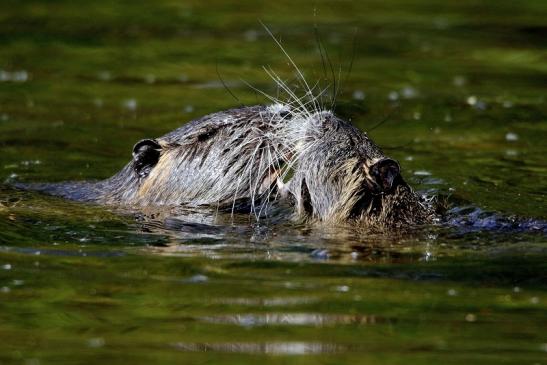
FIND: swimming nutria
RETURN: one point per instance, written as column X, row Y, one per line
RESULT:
column 250, row 157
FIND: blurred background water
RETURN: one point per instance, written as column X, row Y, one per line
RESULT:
column 459, row 89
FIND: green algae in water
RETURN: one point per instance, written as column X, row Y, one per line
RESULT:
column 463, row 85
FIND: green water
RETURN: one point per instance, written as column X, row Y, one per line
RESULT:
column 464, row 87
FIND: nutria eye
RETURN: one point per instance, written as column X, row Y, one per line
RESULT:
column 285, row 115
column 206, row 135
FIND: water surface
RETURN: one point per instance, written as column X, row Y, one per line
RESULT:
column 454, row 91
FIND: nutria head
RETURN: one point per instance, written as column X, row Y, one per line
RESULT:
column 249, row 158
column 341, row 175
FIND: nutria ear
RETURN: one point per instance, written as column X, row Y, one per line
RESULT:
column 146, row 154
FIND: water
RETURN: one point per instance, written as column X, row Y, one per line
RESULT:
column 463, row 88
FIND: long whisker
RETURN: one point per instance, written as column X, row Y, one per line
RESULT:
column 226, row 86
column 297, row 69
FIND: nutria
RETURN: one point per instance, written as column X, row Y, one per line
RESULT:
column 247, row 159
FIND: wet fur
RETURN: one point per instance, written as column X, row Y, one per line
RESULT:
column 249, row 158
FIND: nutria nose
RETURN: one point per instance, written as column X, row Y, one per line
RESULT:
column 385, row 172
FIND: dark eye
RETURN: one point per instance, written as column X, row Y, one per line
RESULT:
column 206, row 135
column 285, row 115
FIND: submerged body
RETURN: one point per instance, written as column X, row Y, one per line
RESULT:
column 249, row 158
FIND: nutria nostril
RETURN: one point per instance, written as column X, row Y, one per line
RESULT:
column 385, row 173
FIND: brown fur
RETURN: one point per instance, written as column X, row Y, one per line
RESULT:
column 249, row 158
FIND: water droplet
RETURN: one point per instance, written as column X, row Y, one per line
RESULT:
column 516, row 289
column 130, row 104
column 15, row 76
column 472, row 100
column 199, row 278
column 11, row 177
column 359, row 95
column 409, row 92
column 5, row 289
column 150, row 79
column 511, row 137
column 470, row 317
column 534, row 300
column 452, row 292
column 393, row 96
column 30, row 162
column 342, row 288
column 20, row 76
column 476, row 103
column 188, row 108
column 422, row 173
column 95, row 342
column 6, row 266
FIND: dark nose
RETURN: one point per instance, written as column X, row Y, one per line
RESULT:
column 385, row 173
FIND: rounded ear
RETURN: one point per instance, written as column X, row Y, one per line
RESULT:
column 146, row 154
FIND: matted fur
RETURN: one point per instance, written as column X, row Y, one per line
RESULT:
column 248, row 158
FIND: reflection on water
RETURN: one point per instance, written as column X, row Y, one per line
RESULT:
column 293, row 319
column 281, row 348
column 268, row 302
